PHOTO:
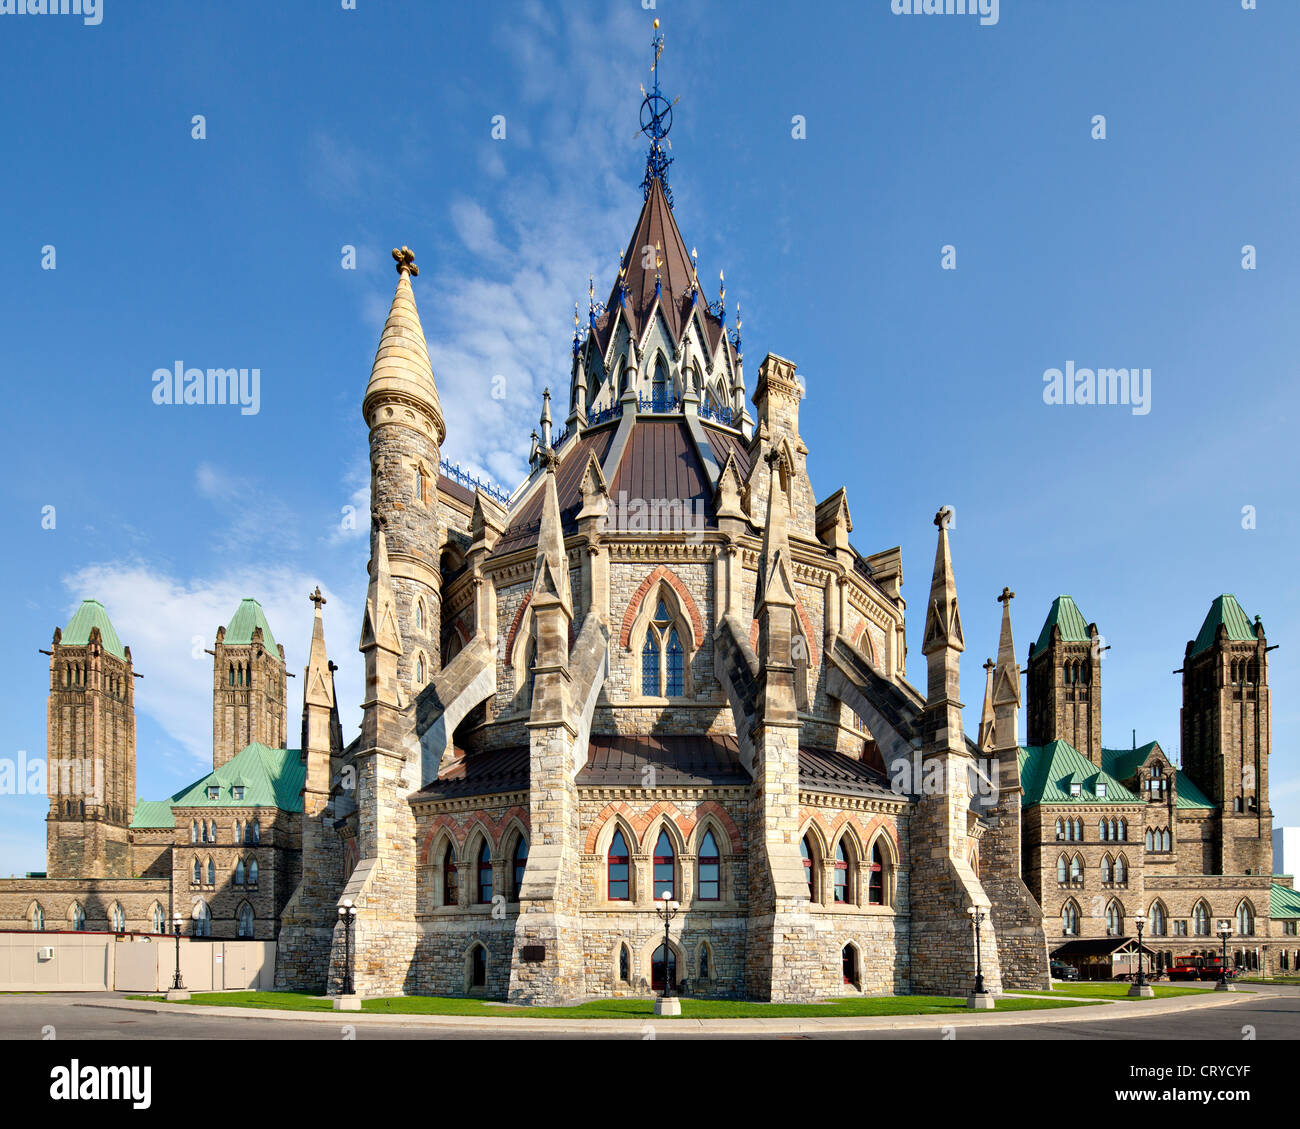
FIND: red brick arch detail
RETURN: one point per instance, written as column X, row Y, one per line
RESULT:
column 460, row 830
column 514, row 628
column 663, row 572
column 640, row 821
column 814, row 648
column 715, row 809
column 865, row 834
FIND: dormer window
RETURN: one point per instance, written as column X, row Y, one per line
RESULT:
column 1101, row 789
column 213, row 792
column 1075, row 788
column 237, row 791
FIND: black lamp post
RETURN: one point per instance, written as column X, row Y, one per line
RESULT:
column 177, row 986
column 979, row 998
column 1225, row 931
column 348, row 915
column 1140, row 986
column 667, row 911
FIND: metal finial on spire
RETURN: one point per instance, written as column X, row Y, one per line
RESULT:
column 576, row 323
column 695, row 278
column 659, row 282
column 656, row 121
column 405, row 260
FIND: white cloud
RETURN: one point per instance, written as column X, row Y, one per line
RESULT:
column 168, row 622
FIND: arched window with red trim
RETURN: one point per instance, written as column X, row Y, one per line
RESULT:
column 619, row 880
column 841, row 873
column 709, row 886
column 518, row 861
column 450, row 883
column 665, row 868
column 485, row 874
column 876, row 877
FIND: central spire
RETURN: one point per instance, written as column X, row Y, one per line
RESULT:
column 656, row 121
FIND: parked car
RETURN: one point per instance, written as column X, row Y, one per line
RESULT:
column 1062, row 971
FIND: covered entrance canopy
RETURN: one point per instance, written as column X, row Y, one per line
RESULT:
column 1103, row 958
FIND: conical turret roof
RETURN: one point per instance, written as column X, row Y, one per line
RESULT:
column 402, row 368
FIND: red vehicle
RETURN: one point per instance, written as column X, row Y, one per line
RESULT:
column 1187, row 968
column 1212, row 969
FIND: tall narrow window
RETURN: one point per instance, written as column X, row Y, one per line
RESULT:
column 624, row 964
column 1062, row 870
column 809, row 867
column 660, row 387
column 709, row 886
column 212, row 873
column 117, row 919
column 239, row 872
column 1114, row 920
column 665, row 869
column 252, row 872
column 198, row 873
column 38, row 918
column 1121, row 871
column 78, row 918
column 1158, row 925
column 1201, row 920
column 650, row 665
column 485, row 874
column 876, row 881
column 850, row 962
column 1076, row 869
column 1106, row 868
column 676, row 666
column 618, row 875
column 518, row 862
column 450, row 886
column 663, row 659
column 1245, row 920
column 159, row 919
column 246, row 922
column 1070, row 919
column 841, row 873
column 202, row 920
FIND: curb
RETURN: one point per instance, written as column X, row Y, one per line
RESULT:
column 1081, row 1014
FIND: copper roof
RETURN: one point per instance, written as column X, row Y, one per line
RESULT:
column 614, row 759
column 526, row 521
column 480, row 774
column 823, row 771
column 660, row 462
column 726, row 443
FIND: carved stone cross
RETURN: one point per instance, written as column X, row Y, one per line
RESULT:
column 317, row 599
column 1007, row 596
column 405, row 260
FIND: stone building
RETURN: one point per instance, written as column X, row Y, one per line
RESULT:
column 1110, row 833
column 225, row 851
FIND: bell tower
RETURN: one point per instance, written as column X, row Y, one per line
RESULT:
column 248, row 685
column 1065, row 681
column 90, row 744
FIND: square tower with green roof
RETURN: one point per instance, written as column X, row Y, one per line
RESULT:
column 248, row 685
column 1226, row 737
column 1064, row 684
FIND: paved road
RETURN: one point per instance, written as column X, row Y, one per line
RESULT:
column 1273, row 1013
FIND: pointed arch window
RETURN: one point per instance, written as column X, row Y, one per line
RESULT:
column 257, row 831
column 78, row 918
column 665, row 868
column 1060, row 829
column 518, row 863
column 117, row 918
column 1166, row 840
column 1150, row 839
column 1070, row 919
column 1076, row 869
column 37, row 918
column 1245, row 920
column 197, row 877
column 624, row 964
column 159, row 922
column 1159, row 923
column 419, row 615
column 245, row 927
column 1114, row 920
column 708, row 886
column 485, row 874
column 212, row 873
column 809, row 866
column 843, row 873
column 194, row 830
column 660, row 388
column 1201, row 919
column 1062, row 870
column 202, row 920
column 1121, row 871
column 239, row 872
column 877, row 887
column 450, row 885
column 617, row 870
column 663, row 658
column 705, row 964
column 1106, row 869
column 252, row 872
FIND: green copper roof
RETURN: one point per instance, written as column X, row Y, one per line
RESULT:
column 92, row 614
column 1283, row 902
column 1046, row 772
column 153, row 814
column 271, row 778
column 249, row 615
column 1187, row 794
column 1225, row 610
column 1124, row 763
column 1065, row 614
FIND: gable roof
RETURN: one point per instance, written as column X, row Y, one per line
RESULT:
column 249, row 615
column 270, row 778
column 92, row 614
column 1065, row 614
column 1046, row 772
column 1124, row 763
column 1225, row 610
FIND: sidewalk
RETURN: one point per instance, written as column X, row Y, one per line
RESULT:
column 1120, row 1009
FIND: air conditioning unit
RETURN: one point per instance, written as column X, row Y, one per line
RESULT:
column 45, row 953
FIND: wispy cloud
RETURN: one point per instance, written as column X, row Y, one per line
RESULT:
column 169, row 621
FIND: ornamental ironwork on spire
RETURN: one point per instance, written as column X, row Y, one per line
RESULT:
column 656, row 121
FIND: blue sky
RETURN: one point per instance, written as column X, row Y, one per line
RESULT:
column 372, row 128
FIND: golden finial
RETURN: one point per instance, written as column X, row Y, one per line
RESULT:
column 405, row 260
column 656, row 24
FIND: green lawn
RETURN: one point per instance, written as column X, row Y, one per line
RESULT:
column 621, row 1009
column 1104, row 990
